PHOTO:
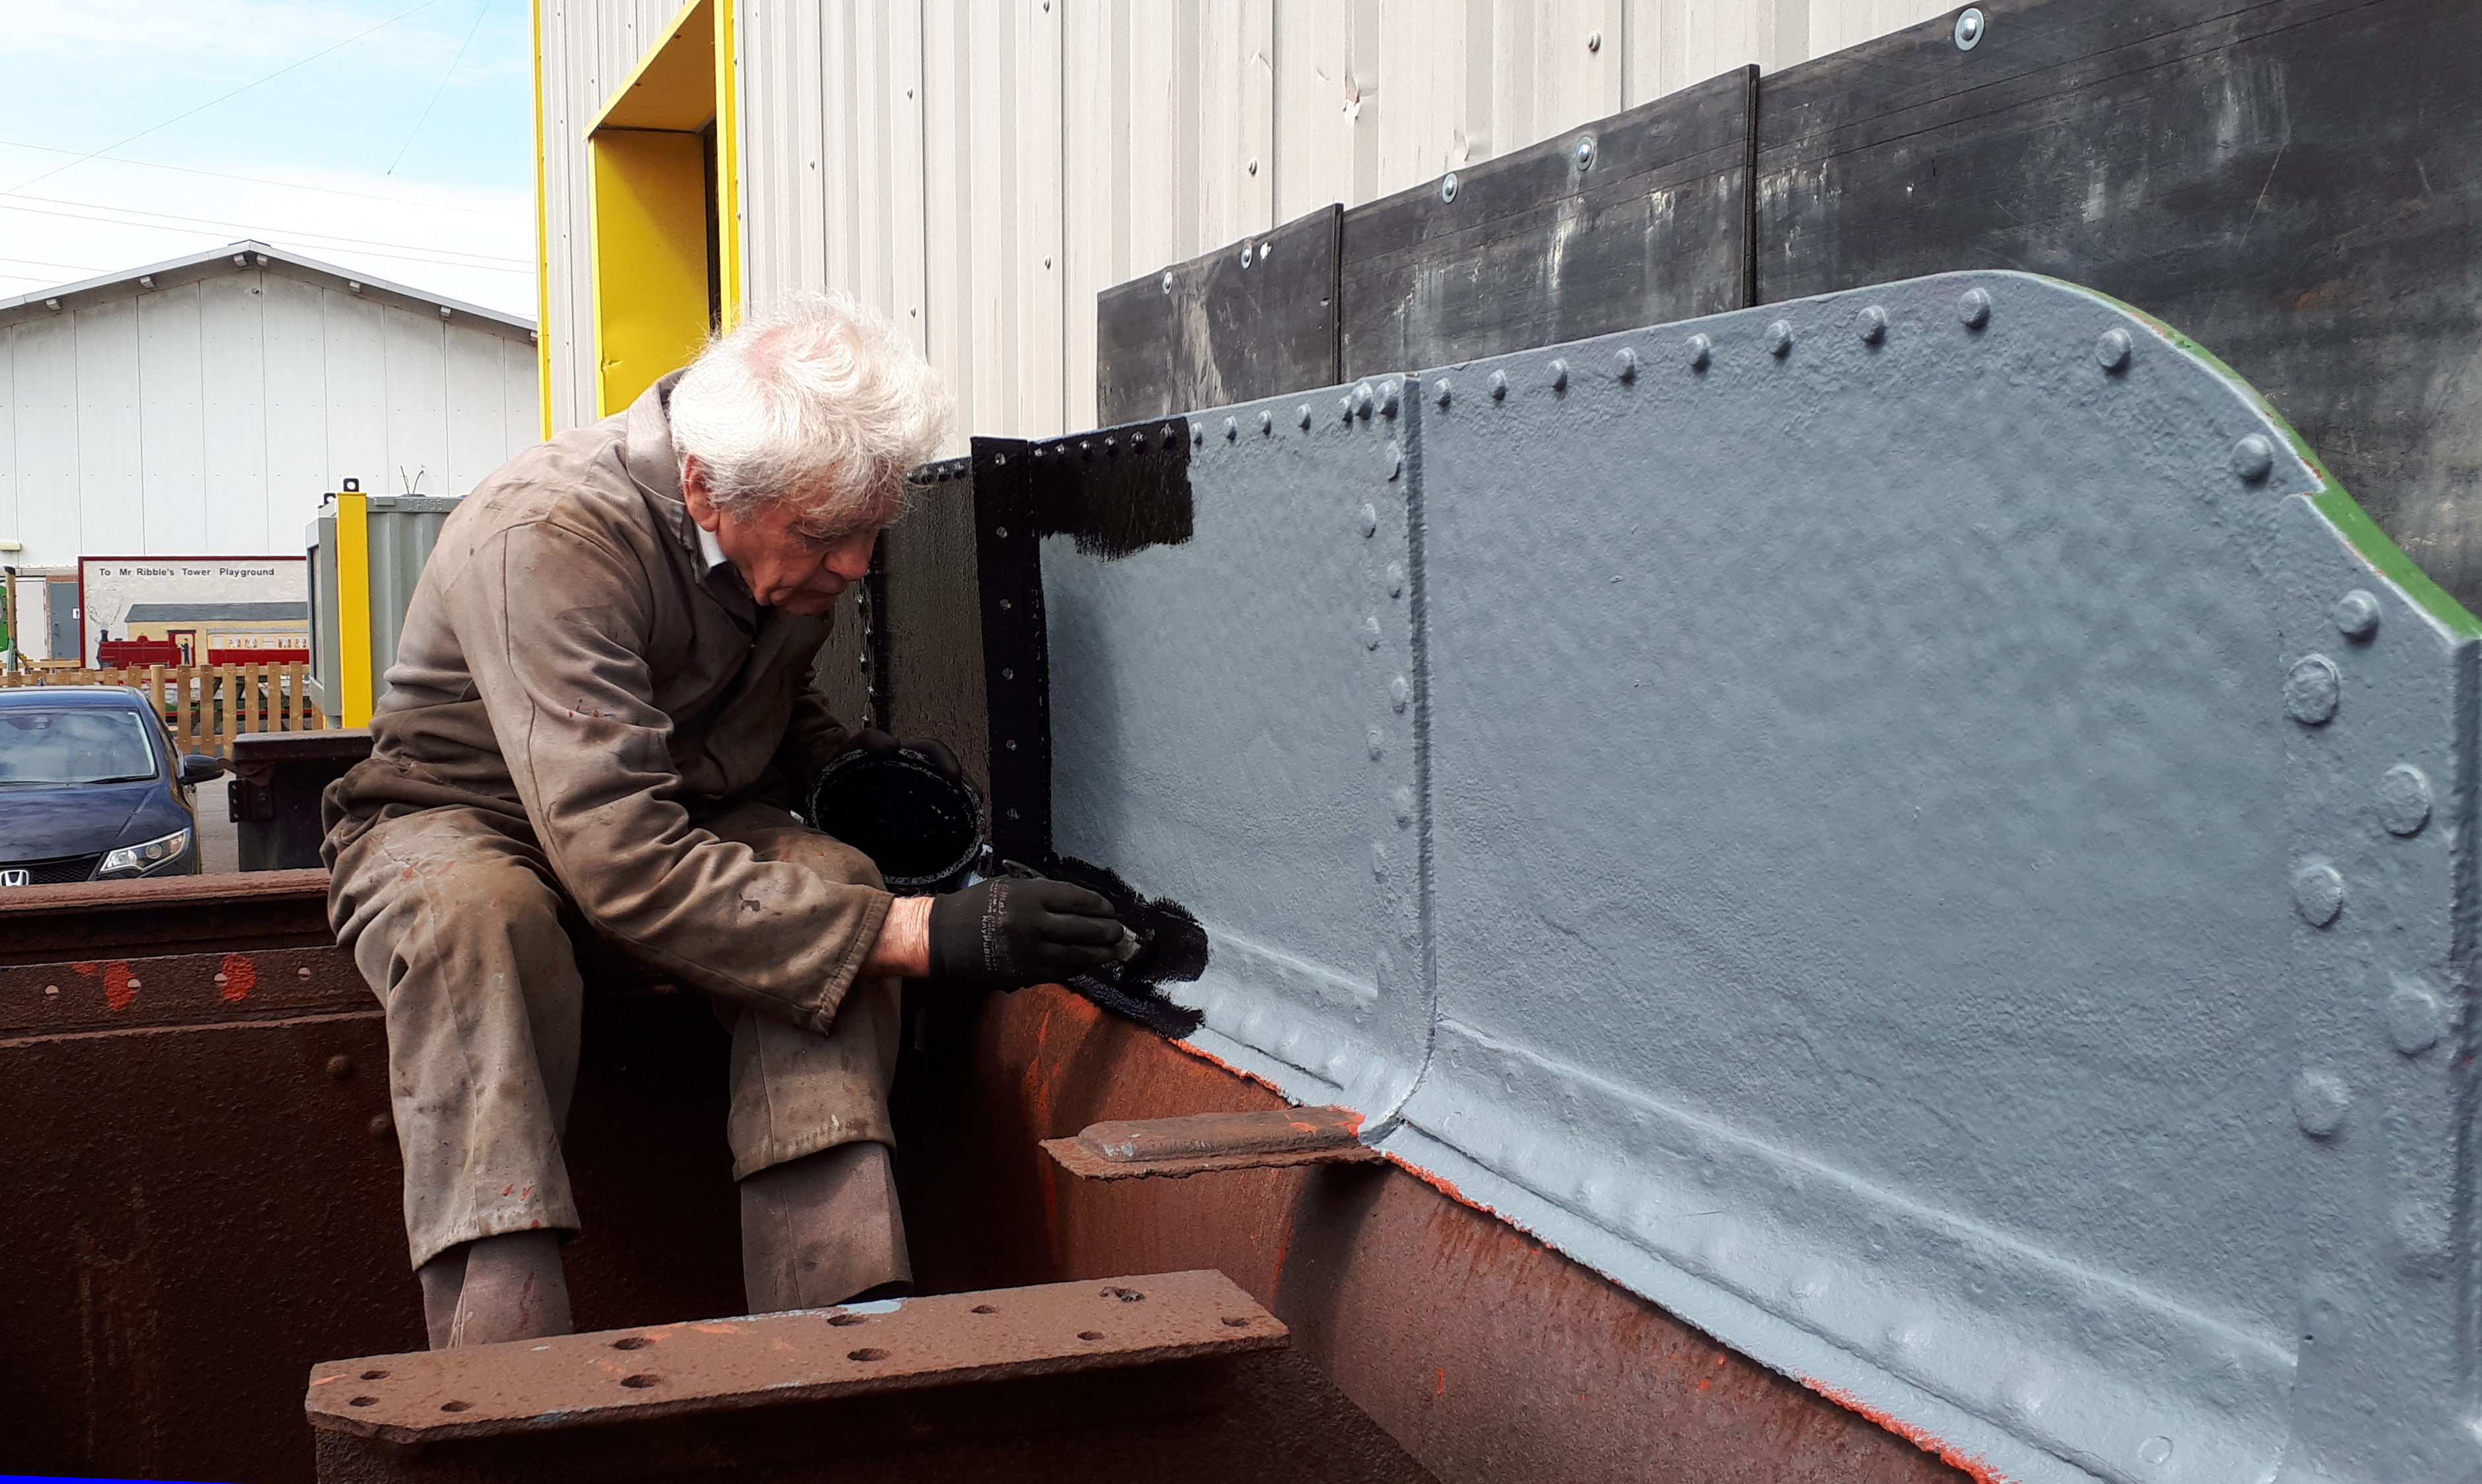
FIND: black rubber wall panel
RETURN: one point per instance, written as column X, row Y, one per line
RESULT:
column 1246, row 321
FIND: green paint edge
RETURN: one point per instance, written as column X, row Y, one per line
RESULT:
column 2334, row 501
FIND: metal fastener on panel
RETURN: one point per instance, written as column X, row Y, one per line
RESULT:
column 1232, row 430
column 1448, row 187
column 1395, row 579
column 2318, row 1103
column 1396, row 461
column 1559, row 370
column 1198, row 437
column 2312, row 690
column 1585, row 152
column 1779, row 339
column 1378, row 743
column 1970, row 26
column 1499, row 387
column 1167, row 283
column 1625, row 364
column 1247, row 255
column 1371, row 633
column 1364, row 400
column 1973, row 307
column 2254, row 457
column 2356, row 614
column 1441, row 393
column 1871, row 324
column 2112, row 349
column 2417, row 1018
column 2317, row 893
column 1266, row 422
column 1400, row 692
column 1378, row 861
column 1369, row 521
column 2404, row 800
column 1344, row 408
column 1404, row 805
column 1391, row 396
column 1305, row 417
column 1700, row 349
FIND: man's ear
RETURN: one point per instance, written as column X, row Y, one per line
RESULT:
column 694, row 494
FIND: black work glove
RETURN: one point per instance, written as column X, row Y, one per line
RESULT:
column 1013, row 931
column 879, row 743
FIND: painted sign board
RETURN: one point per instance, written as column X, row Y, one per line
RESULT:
column 215, row 609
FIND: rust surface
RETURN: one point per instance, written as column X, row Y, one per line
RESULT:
column 247, row 912
column 1489, row 1356
column 773, row 1359
column 1203, row 1143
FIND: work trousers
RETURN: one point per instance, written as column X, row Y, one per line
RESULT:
column 457, row 921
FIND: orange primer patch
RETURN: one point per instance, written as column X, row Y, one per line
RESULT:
column 1955, row 1458
column 240, row 976
column 117, row 992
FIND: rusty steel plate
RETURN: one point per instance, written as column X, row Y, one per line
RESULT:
column 110, row 992
column 805, row 1355
column 1200, row 1143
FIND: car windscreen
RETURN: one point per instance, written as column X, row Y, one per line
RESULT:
column 87, row 744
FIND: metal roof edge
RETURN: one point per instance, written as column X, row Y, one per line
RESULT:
column 89, row 290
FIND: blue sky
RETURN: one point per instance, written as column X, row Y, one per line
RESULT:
column 397, row 139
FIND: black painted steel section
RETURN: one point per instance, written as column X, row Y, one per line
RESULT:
column 1558, row 241
column 1007, row 553
column 2297, row 184
column 1251, row 320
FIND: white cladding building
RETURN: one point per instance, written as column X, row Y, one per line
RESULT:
column 201, row 408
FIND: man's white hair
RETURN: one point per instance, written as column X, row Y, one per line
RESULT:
column 817, row 401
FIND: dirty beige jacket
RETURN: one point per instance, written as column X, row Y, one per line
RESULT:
column 567, row 660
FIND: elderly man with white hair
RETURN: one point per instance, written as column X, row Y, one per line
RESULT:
column 599, row 718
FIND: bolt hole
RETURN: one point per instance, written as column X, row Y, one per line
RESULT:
column 866, row 1353
column 639, row 1382
column 1231, row 1322
column 985, row 1308
column 365, row 1401
column 1090, row 1334
column 1125, row 1295
column 374, row 1375
column 633, row 1343
column 455, row 1406
column 841, row 1320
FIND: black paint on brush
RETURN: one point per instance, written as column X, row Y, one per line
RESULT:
column 1172, row 949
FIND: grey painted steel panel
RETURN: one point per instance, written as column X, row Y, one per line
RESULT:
column 1931, row 876
column 1237, row 723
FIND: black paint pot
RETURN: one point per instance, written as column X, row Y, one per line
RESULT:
column 923, row 831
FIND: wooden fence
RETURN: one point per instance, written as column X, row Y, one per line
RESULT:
column 206, row 705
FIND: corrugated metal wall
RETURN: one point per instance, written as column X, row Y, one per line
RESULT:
column 979, row 168
column 207, row 417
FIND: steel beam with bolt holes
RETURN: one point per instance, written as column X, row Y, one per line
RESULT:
column 1917, row 828
column 1170, row 1376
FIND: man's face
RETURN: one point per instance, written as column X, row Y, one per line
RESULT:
column 790, row 560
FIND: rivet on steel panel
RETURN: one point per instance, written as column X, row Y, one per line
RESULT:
column 1973, row 307
column 1779, row 339
column 1625, row 364
column 1369, row 520
column 1700, row 349
column 2417, row 1018
column 1498, row 385
column 1396, row 579
column 1378, row 743
column 1364, row 400
column 1232, row 430
column 2356, row 614
column 1400, row 692
column 1344, row 408
column 1266, row 422
column 2404, row 800
column 1871, row 324
column 1448, row 187
column 1441, row 393
column 1396, row 461
column 1198, row 437
column 1404, row 805
column 1171, row 436
column 1391, row 395
column 1970, row 26
column 2318, row 1103
column 2317, row 893
column 1559, row 376
column 380, row 1125
column 2313, row 690
column 2112, row 349
column 2254, row 457
column 1305, row 417
column 339, row 1067
column 1378, row 860
column 1371, row 633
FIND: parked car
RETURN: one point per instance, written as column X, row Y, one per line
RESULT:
column 91, row 789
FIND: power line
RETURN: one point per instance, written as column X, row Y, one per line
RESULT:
column 261, row 180
column 76, row 268
column 212, row 102
column 225, row 226
column 480, row 11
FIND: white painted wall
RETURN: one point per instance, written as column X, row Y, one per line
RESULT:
column 208, row 417
column 981, row 168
